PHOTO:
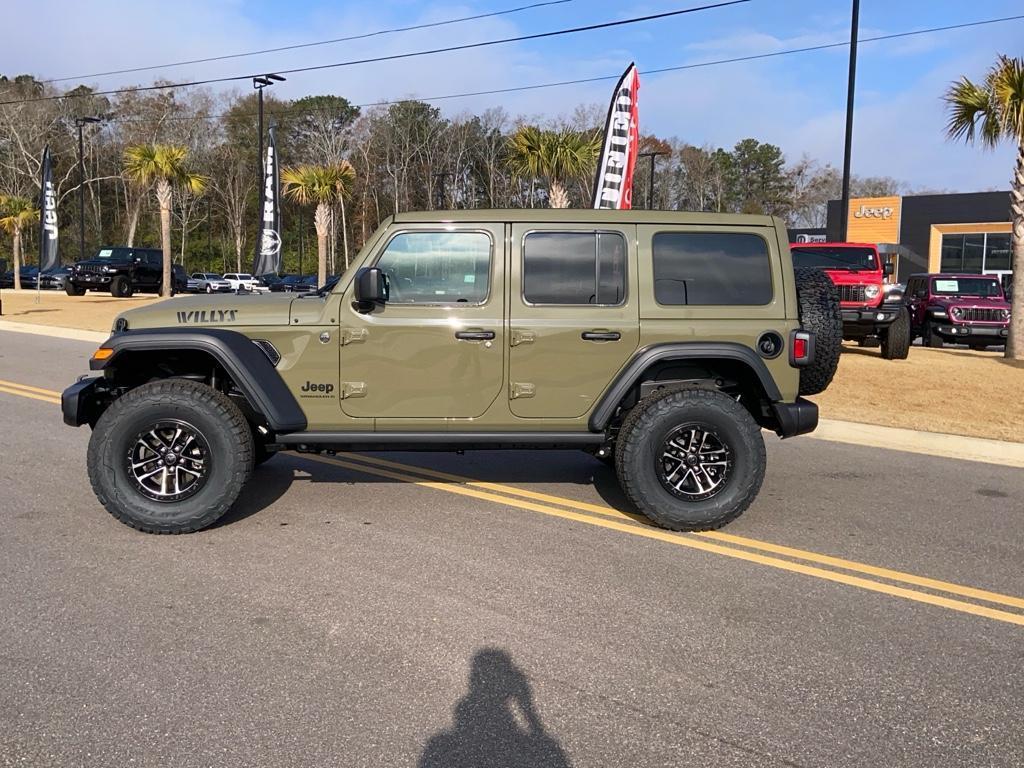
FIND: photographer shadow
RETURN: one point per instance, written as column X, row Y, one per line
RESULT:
column 495, row 722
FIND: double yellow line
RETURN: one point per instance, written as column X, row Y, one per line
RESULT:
column 873, row 578
column 848, row 572
column 23, row 390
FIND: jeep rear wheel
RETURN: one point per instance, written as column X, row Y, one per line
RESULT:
column 819, row 313
column 170, row 456
column 896, row 338
column 120, row 287
column 690, row 460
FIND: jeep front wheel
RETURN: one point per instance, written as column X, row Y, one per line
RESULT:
column 690, row 460
column 73, row 290
column 896, row 338
column 170, row 456
column 120, row 287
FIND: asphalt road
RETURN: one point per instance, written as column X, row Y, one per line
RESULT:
column 366, row 614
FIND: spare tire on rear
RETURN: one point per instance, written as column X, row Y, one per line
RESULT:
column 819, row 313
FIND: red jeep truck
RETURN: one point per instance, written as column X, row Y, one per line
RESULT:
column 859, row 276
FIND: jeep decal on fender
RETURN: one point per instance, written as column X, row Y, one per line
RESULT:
column 208, row 316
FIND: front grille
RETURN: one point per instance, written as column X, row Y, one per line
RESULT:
column 88, row 269
column 979, row 315
column 852, row 293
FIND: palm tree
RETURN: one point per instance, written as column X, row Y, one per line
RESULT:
column 323, row 186
column 557, row 157
column 16, row 213
column 162, row 165
column 991, row 111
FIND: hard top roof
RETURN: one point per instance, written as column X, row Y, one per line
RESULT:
column 582, row 216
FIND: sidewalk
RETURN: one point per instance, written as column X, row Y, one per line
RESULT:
column 56, row 331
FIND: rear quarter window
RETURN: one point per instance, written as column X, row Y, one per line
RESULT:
column 711, row 269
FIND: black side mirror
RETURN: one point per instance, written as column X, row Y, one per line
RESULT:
column 888, row 269
column 371, row 288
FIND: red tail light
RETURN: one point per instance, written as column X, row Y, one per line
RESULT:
column 801, row 348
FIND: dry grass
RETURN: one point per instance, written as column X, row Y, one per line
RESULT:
column 957, row 391
column 91, row 312
column 936, row 390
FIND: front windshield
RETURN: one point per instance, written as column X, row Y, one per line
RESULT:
column 833, row 257
column 966, row 286
column 245, row 277
column 105, row 253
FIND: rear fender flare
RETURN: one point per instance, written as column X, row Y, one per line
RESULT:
column 695, row 350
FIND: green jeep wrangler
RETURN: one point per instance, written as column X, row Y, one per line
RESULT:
column 660, row 342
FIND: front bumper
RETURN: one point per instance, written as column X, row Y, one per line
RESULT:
column 965, row 331
column 796, row 418
column 79, row 402
column 91, row 280
column 870, row 317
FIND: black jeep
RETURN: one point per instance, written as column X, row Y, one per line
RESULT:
column 118, row 269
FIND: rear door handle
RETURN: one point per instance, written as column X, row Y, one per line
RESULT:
column 601, row 335
column 474, row 335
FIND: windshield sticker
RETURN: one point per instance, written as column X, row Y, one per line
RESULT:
column 947, row 286
column 105, row 253
column 208, row 316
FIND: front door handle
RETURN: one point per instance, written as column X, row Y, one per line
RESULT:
column 601, row 335
column 474, row 335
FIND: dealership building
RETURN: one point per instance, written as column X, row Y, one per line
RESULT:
column 927, row 233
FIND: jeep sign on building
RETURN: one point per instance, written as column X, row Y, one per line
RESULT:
column 962, row 233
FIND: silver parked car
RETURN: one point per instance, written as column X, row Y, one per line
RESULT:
column 208, row 282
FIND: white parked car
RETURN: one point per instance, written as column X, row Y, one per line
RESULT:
column 245, row 281
column 208, row 282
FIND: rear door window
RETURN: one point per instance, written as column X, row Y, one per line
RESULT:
column 711, row 269
column 571, row 268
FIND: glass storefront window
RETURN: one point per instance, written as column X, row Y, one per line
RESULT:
column 997, row 252
column 952, row 253
column 975, row 253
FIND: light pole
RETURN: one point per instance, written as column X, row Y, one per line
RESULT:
column 650, row 189
column 80, row 122
column 259, row 83
column 844, row 212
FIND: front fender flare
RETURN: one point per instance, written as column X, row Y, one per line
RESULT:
column 691, row 350
column 248, row 366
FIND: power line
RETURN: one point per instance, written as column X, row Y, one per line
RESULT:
column 378, row 33
column 603, row 78
column 397, row 56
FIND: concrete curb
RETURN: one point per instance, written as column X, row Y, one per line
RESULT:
column 927, row 443
column 54, row 331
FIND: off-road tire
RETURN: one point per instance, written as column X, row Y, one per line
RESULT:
column 819, row 313
column 221, row 425
column 121, row 287
column 73, row 290
column 930, row 338
column 641, row 440
column 896, row 338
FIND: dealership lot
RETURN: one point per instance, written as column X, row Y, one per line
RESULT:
column 867, row 610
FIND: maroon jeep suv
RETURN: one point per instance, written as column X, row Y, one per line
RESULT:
column 961, row 309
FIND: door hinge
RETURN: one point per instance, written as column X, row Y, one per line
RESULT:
column 353, row 389
column 352, row 335
column 521, row 389
column 522, row 337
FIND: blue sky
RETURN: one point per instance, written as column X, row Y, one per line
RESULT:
column 795, row 101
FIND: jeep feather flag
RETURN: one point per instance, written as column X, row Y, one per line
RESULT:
column 268, row 245
column 48, row 239
column 613, row 187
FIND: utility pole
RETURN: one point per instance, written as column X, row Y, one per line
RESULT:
column 440, row 188
column 650, row 189
column 80, row 122
column 209, row 233
column 259, row 83
column 844, row 212
column 302, row 238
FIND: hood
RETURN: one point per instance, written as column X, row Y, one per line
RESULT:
column 213, row 311
column 863, row 277
column 100, row 262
